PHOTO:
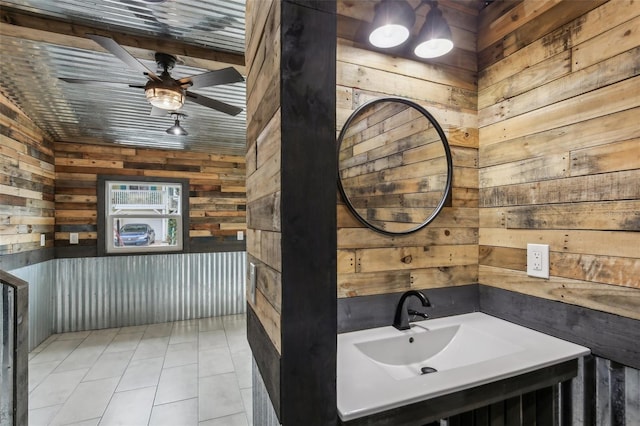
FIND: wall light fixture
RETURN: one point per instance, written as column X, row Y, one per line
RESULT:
column 394, row 20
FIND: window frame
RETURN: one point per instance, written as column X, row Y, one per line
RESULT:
column 103, row 218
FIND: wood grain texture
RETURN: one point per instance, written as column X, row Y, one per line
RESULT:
column 444, row 253
column 27, row 183
column 217, row 199
column 264, row 163
column 559, row 158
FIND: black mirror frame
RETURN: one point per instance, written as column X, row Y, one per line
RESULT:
column 447, row 150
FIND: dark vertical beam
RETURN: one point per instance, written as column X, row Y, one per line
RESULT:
column 545, row 407
column 18, row 336
column 529, row 409
column 512, row 411
column 308, row 213
column 496, row 414
column 618, row 402
column 603, row 392
column 589, row 390
column 566, row 403
column 266, row 356
column 481, row 416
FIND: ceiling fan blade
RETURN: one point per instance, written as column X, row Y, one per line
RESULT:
column 158, row 112
column 110, row 45
column 212, row 103
column 213, row 78
column 100, row 83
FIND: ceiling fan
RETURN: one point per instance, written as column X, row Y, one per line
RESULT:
column 162, row 91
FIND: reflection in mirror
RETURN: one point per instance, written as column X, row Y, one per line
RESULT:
column 394, row 165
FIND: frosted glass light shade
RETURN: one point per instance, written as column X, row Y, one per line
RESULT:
column 165, row 98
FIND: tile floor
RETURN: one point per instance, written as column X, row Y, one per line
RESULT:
column 195, row 372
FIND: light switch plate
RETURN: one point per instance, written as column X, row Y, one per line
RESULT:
column 252, row 283
column 538, row 260
column 240, row 235
column 43, row 240
column 73, row 238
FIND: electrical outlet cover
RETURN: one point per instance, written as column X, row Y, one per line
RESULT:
column 538, row 260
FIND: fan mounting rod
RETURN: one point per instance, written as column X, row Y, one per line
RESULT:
column 165, row 61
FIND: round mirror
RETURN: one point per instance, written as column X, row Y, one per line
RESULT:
column 394, row 165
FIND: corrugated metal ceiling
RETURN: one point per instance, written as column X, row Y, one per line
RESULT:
column 31, row 70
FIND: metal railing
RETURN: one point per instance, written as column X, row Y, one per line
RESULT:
column 14, row 329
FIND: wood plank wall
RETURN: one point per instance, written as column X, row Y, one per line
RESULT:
column 446, row 252
column 217, row 194
column 264, row 162
column 27, row 183
column 559, row 101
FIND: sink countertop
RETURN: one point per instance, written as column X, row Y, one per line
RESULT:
column 366, row 387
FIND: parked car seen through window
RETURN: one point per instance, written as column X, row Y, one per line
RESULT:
column 136, row 234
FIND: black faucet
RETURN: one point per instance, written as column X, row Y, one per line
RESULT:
column 401, row 319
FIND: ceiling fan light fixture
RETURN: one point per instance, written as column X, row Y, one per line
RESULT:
column 434, row 39
column 168, row 98
column 177, row 129
column 392, row 23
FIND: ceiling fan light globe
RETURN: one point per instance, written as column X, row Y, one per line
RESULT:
column 165, row 98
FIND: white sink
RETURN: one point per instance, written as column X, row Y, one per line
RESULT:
column 384, row 368
column 439, row 349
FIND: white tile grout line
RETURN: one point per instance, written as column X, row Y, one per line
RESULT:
column 229, row 324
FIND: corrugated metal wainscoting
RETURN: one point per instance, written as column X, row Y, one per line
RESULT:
column 263, row 412
column 42, row 294
column 102, row 292
column 604, row 393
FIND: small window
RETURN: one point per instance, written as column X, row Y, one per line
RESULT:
column 143, row 216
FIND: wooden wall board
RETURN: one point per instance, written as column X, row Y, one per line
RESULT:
column 263, row 78
column 559, row 159
column 597, row 187
column 263, row 183
column 26, row 187
column 533, row 77
column 609, row 71
column 403, row 258
column 353, row 238
column 613, row 299
column 614, row 41
column 612, row 270
column 601, row 243
column 609, row 128
column 348, row 51
column 617, row 97
column 496, row 66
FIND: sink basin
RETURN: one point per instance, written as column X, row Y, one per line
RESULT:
column 407, row 354
column 415, row 346
column 384, row 368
